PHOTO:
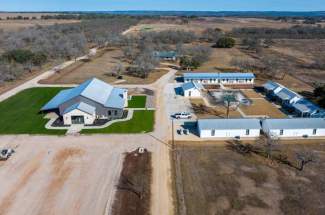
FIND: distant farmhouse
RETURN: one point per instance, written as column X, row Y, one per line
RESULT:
column 292, row 101
column 243, row 80
column 166, row 55
column 91, row 100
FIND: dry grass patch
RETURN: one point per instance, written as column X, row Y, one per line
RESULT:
column 264, row 108
column 251, row 94
column 202, row 111
column 216, row 180
column 101, row 66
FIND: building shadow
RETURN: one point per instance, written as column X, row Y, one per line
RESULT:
column 191, row 127
column 178, row 91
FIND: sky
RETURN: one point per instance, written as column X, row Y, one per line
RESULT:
column 180, row 5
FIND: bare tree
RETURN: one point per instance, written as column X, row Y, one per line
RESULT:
column 304, row 157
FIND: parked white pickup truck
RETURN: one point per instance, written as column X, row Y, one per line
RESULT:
column 182, row 115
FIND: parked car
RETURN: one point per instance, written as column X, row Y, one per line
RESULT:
column 182, row 115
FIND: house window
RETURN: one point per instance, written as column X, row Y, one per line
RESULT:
column 281, row 132
column 247, row 131
column 213, row 133
column 109, row 113
column 314, row 131
column 115, row 112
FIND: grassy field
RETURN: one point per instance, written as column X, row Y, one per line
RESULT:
column 138, row 102
column 262, row 107
column 212, row 179
column 142, row 122
column 19, row 114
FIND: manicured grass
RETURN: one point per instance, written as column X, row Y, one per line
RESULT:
column 142, row 122
column 19, row 114
column 138, row 102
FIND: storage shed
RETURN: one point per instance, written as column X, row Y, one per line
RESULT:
column 192, row 89
column 294, row 127
column 229, row 128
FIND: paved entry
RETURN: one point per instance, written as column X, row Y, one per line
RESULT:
column 77, row 120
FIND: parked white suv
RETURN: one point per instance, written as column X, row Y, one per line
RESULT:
column 182, row 115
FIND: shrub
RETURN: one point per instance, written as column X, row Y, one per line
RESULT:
column 225, row 42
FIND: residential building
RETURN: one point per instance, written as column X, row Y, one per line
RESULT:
column 229, row 128
column 294, row 127
column 220, row 78
column 305, row 108
column 166, row 55
column 192, row 89
column 91, row 100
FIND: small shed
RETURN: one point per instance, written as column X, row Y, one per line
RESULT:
column 192, row 89
column 229, row 128
column 166, row 55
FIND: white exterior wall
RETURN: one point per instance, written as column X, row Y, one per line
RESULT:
column 253, row 133
column 217, row 81
column 125, row 97
column 287, row 133
column 89, row 119
column 194, row 93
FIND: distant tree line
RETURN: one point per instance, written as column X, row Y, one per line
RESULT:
column 295, row 32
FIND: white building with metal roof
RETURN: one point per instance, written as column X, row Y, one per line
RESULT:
column 192, row 89
column 91, row 100
column 220, row 78
column 229, row 128
column 294, row 127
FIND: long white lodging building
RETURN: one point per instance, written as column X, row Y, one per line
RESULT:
column 220, row 78
column 294, row 127
column 229, row 128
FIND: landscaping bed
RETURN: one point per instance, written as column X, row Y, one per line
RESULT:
column 19, row 114
column 133, row 189
column 141, row 122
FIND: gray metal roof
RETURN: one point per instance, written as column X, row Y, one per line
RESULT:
column 93, row 89
column 203, row 75
column 191, row 85
column 82, row 107
column 228, row 124
column 270, row 85
column 305, row 106
column 294, row 123
column 286, row 94
column 165, row 54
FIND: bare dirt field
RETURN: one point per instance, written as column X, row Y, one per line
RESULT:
column 220, row 59
column 60, row 175
column 212, row 179
column 100, row 66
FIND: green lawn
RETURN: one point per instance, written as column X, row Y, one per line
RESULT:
column 138, row 102
column 142, row 121
column 19, row 114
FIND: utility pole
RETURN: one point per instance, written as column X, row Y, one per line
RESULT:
column 173, row 139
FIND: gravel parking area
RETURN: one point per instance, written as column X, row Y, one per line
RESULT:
column 176, row 103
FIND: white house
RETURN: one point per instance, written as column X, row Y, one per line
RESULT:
column 294, row 127
column 91, row 100
column 191, row 89
column 229, row 128
column 220, row 78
